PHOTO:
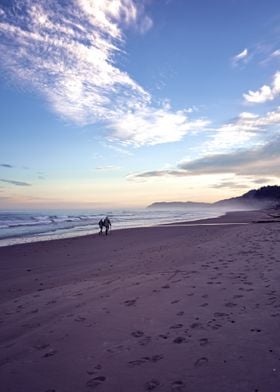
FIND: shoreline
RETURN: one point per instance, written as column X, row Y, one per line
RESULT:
column 30, row 226
column 163, row 308
column 226, row 218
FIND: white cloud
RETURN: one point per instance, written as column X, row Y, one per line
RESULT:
column 276, row 53
column 68, row 54
column 146, row 24
column 260, row 160
column 242, row 130
column 157, row 126
column 240, row 57
column 106, row 14
column 265, row 93
column 237, row 152
column 256, row 162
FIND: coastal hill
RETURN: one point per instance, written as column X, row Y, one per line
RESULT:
column 265, row 197
column 179, row 204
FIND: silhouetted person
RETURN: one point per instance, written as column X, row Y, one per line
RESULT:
column 100, row 224
column 107, row 224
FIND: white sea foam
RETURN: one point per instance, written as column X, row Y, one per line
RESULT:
column 29, row 226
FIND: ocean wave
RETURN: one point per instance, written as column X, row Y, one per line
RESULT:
column 25, row 225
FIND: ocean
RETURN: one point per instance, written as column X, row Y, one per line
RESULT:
column 36, row 225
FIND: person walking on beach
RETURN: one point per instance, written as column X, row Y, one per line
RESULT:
column 107, row 224
column 101, row 224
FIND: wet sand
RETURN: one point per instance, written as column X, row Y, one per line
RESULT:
column 169, row 308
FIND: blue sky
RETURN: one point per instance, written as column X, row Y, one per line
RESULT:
column 122, row 102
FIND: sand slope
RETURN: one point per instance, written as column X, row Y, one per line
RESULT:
column 179, row 308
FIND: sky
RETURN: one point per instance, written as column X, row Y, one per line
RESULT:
column 121, row 103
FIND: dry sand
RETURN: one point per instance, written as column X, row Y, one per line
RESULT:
column 171, row 308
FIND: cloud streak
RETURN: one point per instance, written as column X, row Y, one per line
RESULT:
column 230, row 184
column 259, row 161
column 17, row 183
column 108, row 168
column 240, row 57
column 242, row 129
column 6, row 165
column 68, row 54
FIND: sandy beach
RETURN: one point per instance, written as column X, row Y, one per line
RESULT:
column 192, row 308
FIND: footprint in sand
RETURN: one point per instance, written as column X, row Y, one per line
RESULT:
column 213, row 324
column 230, row 305
column 203, row 341
column 33, row 311
column 41, row 346
column 96, row 370
column 130, row 302
column 91, row 372
column 95, row 382
column 177, row 386
column 137, row 334
column 51, row 302
column 146, row 340
column 176, row 326
column 136, row 362
column 141, row 361
column 98, row 367
column 201, row 362
column 179, row 340
column 50, row 353
column 151, row 385
column 80, row 319
column 162, row 336
column 197, row 326
column 220, row 314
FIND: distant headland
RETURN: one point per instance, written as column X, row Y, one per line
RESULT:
column 264, row 197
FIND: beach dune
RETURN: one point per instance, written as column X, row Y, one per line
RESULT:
column 180, row 307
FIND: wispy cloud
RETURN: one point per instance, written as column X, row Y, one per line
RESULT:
column 240, row 57
column 67, row 52
column 158, row 173
column 243, row 129
column 153, row 126
column 118, row 148
column 265, row 93
column 230, row 184
column 107, row 168
column 17, row 183
column 258, row 161
column 243, row 146
column 276, row 53
column 7, row 165
column 264, row 180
